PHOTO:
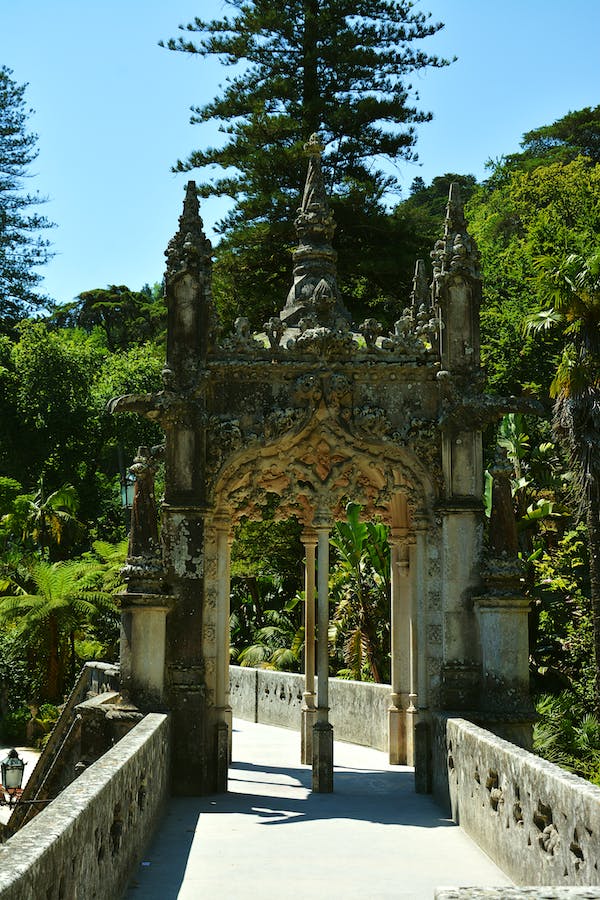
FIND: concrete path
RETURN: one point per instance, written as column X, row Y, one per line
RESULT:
column 271, row 837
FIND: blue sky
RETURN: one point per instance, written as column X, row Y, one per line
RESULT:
column 112, row 111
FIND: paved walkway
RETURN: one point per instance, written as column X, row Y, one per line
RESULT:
column 271, row 837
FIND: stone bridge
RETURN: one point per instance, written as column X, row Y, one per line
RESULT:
column 537, row 823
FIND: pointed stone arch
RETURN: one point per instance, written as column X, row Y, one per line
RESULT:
column 320, row 411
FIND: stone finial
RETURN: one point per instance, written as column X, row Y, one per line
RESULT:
column 314, row 293
column 456, row 252
column 455, row 211
column 191, row 320
column 189, row 248
column 420, row 294
column 314, row 223
column 456, row 289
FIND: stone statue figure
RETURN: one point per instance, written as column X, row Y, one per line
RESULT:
column 503, row 526
column 143, row 536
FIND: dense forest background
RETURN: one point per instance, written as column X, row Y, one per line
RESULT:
column 63, row 459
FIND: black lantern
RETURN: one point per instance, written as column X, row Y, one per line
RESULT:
column 12, row 769
column 127, row 486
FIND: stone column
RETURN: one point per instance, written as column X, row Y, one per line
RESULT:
column 322, row 761
column 461, row 554
column 193, row 762
column 503, row 609
column 222, row 707
column 309, row 712
column 144, row 605
column 401, row 602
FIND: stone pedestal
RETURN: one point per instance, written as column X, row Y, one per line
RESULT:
column 322, row 763
column 411, row 720
column 223, row 732
column 503, row 622
column 396, row 733
column 143, row 630
column 309, row 719
column 401, row 650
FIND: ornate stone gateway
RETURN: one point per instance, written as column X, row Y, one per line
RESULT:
column 310, row 415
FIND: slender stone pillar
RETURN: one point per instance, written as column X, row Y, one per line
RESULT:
column 144, row 605
column 400, row 646
column 461, row 553
column 418, row 644
column 309, row 712
column 322, row 761
column 417, row 714
column 419, row 664
column 222, row 707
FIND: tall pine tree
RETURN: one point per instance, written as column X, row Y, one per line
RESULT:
column 22, row 248
column 337, row 67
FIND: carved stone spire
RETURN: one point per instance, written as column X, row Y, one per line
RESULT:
column 314, row 293
column 191, row 322
column 420, row 294
column 456, row 288
column 457, row 251
column 188, row 249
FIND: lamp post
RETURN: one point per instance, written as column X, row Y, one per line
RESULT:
column 12, row 769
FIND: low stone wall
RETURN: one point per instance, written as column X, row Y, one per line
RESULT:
column 540, row 824
column 517, row 893
column 90, row 839
column 358, row 710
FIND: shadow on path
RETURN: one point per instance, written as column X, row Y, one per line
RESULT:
column 379, row 838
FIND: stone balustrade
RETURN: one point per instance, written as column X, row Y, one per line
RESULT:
column 539, row 823
column 517, row 893
column 358, row 709
column 87, row 842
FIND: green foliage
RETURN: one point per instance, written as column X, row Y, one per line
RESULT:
column 48, row 380
column 59, row 603
column 47, row 523
column 360, row 592
column 123, row 317
column 261, row 548
column 562, row 643
column 13, row 726
column 54, row 387
column 265, row 624
column 549, row 210
column 568, row 736
column 425, row 207
column 21, row 247
column 573, row 135
column 301, row 66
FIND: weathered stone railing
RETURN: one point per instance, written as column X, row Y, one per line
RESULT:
column 517, row 893
column 94, row 679
column 540, row 824
column 358, row 710
column 89, row 840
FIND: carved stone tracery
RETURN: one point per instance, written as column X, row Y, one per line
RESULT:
column 305, row 417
